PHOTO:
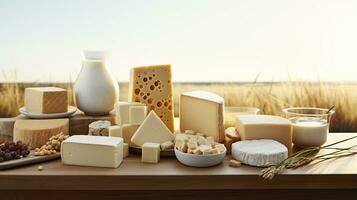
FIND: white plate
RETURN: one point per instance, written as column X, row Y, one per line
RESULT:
column 71, row 110
column 193, row 160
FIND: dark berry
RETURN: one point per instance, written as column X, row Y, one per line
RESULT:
column 17, row 156
column 2, row 154
column 13, row 154
column 2, row 159
column 8, row 156
column 12, row 147
column 19, row 142
column 7, row 151
column 24, row 147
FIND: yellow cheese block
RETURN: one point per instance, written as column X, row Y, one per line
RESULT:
column 202, row 112
column 251, row 127
column 152, row 86
column 36, row 133
column 45, row 100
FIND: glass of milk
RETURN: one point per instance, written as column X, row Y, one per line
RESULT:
column 310, row 125
column 230, row 114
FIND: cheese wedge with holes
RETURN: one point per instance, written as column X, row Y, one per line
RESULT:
column 252, row 127
column 202, row 112
column 35, row 132
column 95, row 151
column 46, row 100
column 152, row 85
column 152, row 130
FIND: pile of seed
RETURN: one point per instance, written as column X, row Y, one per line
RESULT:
column 52, row 146
column 13, row 150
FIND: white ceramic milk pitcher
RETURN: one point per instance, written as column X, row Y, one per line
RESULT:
column 95, row 91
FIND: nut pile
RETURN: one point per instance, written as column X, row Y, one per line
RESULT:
column 197, row 143
column 11, row 150
column 52, row 146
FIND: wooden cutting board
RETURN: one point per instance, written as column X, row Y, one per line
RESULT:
column 30, row 159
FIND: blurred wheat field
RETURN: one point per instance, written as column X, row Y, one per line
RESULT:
column 270, row 98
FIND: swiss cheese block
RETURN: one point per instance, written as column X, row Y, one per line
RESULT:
column 122, row 111
column 252, row 127
column 36, row 133
column 202, row 112
column 46, row 100
column 95, row 151
column 152, row 86
column 152, row 130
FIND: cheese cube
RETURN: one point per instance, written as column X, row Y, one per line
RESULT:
column 150, row 153
column 122, row 111
column 202, row 112
column 251, row 127
column 152, row 130
column 220, row 147
column 125, row 150
column 152, row 85
column 46, row 100
column 127, row 132
column 137, row 114
column 115, row 131
column 95, row 151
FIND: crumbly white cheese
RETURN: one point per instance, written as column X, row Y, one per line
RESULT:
column 259, row 153
column 99, row 128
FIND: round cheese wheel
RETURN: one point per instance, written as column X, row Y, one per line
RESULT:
column 259, row 153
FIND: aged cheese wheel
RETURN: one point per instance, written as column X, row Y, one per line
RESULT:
column 36, row 133
column 6, row 128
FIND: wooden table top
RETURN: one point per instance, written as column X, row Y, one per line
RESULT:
column 170, row 174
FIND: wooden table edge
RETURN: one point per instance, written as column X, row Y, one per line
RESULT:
column 175, row 182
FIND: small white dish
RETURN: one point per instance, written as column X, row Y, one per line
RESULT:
column 193, row 160
column 71, row 111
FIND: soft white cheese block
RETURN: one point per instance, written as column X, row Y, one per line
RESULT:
column 202, row 112
column 259, row 153
column 253, row 127
column 152, row 130
column 95, row 151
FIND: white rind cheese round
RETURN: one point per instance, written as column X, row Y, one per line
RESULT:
column 259, row 153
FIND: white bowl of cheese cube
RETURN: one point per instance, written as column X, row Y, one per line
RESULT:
column 194, row 160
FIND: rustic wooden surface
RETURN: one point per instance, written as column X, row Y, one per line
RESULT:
column 78, row 122
column 169, row 174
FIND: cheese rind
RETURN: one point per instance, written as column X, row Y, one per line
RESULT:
column 202, row 112
column 150, row 153
column 152, row 85
column 46, row 100
column 36, row 133
column 95, row 151
column 251, row 127
column 152, row 130
column 260, row 153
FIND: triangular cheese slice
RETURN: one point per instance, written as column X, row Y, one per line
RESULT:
column 152, row 130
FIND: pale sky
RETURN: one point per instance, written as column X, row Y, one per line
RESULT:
column 204, row 40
